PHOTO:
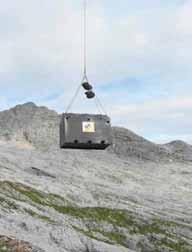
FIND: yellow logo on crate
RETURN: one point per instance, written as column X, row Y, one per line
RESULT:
column 88, row 127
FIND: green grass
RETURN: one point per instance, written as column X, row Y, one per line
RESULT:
column 8, row 204
column 178, row 246
column 3, row 247
column 113, row 216
column 108, row 237
column 97, row 220
column 23, row 193
column 116, row 237
column 39, row 216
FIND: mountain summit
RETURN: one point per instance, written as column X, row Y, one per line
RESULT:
column 39, row 127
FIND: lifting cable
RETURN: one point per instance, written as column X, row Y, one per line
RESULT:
column 98, row 103
column 85, row 40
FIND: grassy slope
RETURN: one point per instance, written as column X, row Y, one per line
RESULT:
column 114, row 226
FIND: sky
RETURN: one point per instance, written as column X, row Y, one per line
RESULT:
column 139, row 60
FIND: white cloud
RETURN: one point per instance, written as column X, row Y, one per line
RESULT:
column 162, row 108
column 157, row 118
column 41, row 52
column 50, row 34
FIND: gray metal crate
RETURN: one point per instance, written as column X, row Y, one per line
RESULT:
column 85, row 131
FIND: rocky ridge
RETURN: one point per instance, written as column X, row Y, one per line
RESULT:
column 136, row 196
column 39, row 126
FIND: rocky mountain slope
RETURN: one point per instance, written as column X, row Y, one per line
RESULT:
column 39, row 127
column 135, row 196
column 180, row 149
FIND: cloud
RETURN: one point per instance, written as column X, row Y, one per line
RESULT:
column 157, row 118
column 49, row 34
column 145, row 44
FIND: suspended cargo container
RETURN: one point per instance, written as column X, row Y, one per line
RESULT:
column 85, row 131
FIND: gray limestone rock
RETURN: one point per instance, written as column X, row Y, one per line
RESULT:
column 134, row 197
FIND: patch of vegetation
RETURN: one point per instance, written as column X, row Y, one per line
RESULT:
column 108, row 237
column 157, row 226
column 116, row 237
column 115, row 217
column 120, row 221
column 152, row 228
column 17, row 190
column 177, row 246
column 39, row 216
column 89, row 234
column 5, row 203
column 3, row 247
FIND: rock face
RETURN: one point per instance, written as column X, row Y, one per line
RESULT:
column 135, row 196
column 128, row 144
column 180, row 149
column 11, row 244
column 31, row 124
column 39, row 127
